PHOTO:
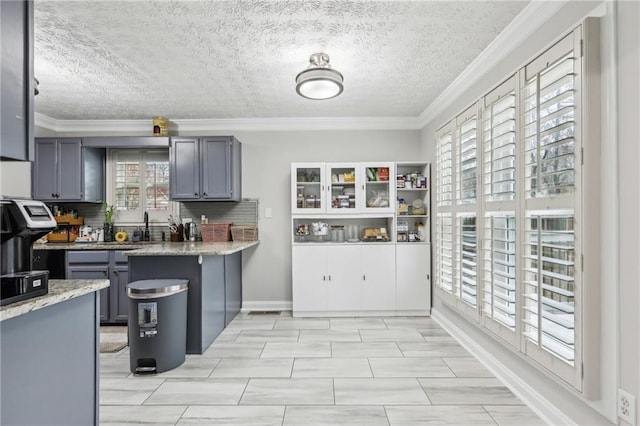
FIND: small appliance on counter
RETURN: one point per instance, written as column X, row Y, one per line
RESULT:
column 22, row 223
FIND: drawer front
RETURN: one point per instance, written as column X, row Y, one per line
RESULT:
column 88, row 256
column 120, row 257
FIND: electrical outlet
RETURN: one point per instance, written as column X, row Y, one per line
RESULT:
column 627, row 407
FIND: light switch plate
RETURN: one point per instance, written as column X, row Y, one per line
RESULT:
column 267, row 212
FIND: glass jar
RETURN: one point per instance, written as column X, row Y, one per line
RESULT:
column 337, row 233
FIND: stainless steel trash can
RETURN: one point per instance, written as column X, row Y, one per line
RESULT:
column 157, row 324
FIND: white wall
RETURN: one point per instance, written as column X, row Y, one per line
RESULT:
column 15, row 179
column 628, row 53
column 620, row 322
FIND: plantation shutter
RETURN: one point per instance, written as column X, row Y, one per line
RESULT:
column 551, row 281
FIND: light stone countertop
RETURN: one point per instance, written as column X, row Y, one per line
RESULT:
column 127, row 245
column 160, row 248
column 59, row 291
column 192, row 248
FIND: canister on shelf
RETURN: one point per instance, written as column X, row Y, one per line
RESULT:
column 337, row 233
column 160, row 126
column 420, row 231
column 400, row 181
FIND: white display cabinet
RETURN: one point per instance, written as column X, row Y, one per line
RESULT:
column 343, row 279
column 308, row 188
column 342, row 188
column 413, row 203
column 346, row 260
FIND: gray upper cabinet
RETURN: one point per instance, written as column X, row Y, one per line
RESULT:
column 65, row 171
column 206, row 168
column 16, row 55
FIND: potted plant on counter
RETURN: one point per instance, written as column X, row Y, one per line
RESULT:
column 108, row 222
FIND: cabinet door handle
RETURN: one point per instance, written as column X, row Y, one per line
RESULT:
column 364, row 278
column 115, row 273
column 195, row 193
column 363, row 187
column 329, row 277
column 53, row 195
column 105, row 274
column 324, row 278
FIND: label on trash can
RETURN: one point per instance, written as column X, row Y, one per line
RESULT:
column 148, row 319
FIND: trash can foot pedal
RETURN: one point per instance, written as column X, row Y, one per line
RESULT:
column 146, row 366
column 145, row 370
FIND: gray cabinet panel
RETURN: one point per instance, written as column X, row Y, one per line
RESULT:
column 93, row 272
column 16, row 96
column 126, row 141
column 69, row 169
column 92, row 174
column 206, row 169
column 185, row 169
column 216, row 168
column 232, row 286
column 88, row 256
column 50, row 362
column 66, row 171
column 45, row 180
column 86, row 264
column 119, row 280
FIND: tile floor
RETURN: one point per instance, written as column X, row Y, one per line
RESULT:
column 278, row 370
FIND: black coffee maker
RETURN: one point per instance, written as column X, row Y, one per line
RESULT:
column 22, row 223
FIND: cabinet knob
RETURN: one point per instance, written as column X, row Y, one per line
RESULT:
column 53, row 195
column 204, row 193
column 115, row 273
column 105, row 274
column 195, row 193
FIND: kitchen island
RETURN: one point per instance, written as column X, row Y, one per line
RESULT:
column 214, row 271
column 49, row 346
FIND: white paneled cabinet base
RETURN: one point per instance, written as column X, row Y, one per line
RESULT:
column 347, row 259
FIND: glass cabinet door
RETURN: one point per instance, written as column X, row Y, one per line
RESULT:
column 377, row 188
column 342, row 193
column 308, row 188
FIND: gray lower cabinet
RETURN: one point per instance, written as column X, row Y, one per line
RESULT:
column 16, row 96
column 64, row 170
column 100, row 264
column 205, row 168
column 214, row 295
column 50, row 364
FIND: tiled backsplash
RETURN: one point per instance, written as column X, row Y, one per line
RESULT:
column 244, row 212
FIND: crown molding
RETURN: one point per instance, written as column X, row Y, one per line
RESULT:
column 45, row 121
column 534, row 15
column 233, row 124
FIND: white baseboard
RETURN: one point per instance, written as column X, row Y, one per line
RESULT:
column 339, row 314
column 534, row 400
column 266, row 305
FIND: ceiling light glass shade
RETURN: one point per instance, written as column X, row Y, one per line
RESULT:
column 319, row 81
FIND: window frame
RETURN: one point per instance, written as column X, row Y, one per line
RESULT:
column 583, row 375
column 156, row 218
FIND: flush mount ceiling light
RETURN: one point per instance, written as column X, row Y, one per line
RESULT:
column 319, row 81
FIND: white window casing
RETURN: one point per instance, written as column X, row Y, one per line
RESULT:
column 520, row 191
column 139, row 183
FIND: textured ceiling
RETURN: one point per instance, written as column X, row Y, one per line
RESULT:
column 239, row 59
